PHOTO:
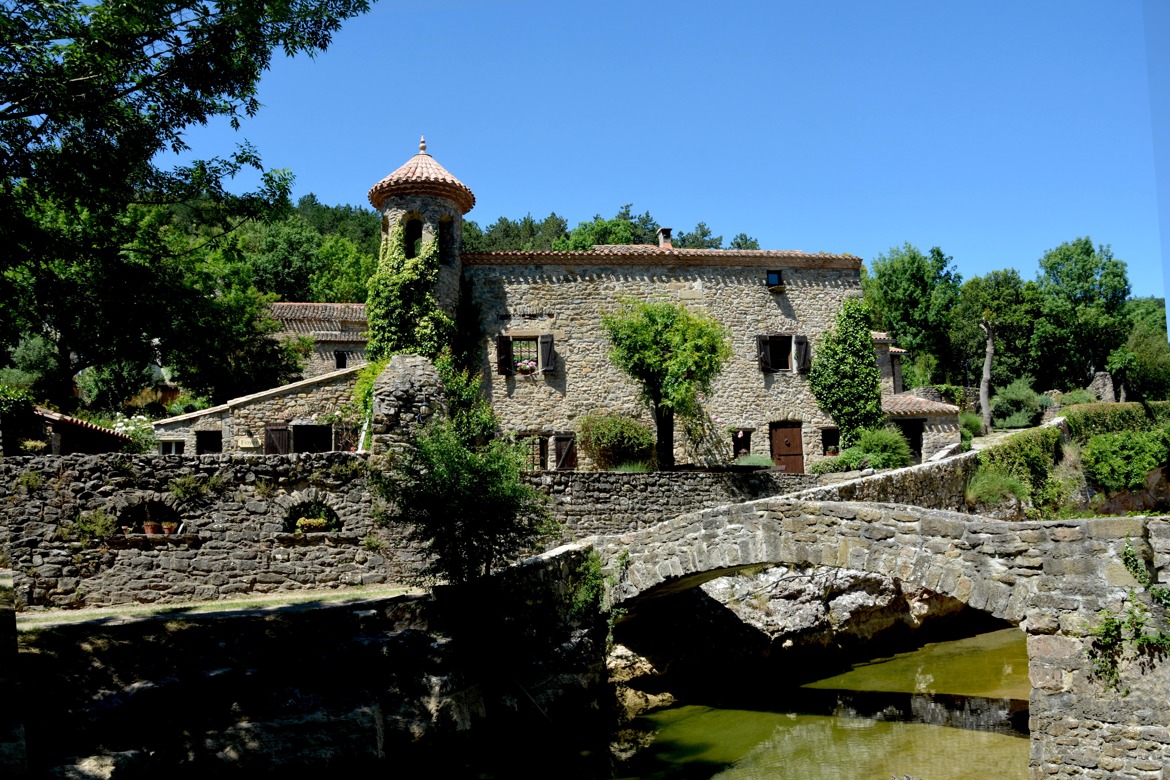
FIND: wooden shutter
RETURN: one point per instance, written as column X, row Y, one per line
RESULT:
column 802, row 360
column 566, row 452
column 276, row 439
column 504, row 363
column 764, row 353
column 548, row 358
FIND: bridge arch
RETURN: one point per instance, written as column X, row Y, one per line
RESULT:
column 1050, row 578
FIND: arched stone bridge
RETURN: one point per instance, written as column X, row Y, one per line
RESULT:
column 1050, row 578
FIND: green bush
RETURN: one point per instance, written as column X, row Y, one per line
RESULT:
column 952, row 394
column 827, row 466
column 990, row 486
column 636, row 467
column 1077, row 397
column 185, row 404
column 1116, row 461
column 965, row 438
column 886, row 448
column 971, row 423
column 1018, row 405
column 610, row 439
column 1087, row 420
column 1029, row 456
column 754, row 460
column 850, row 459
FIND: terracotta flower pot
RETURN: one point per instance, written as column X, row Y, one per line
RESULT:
column 170, row 528
column 151, row 527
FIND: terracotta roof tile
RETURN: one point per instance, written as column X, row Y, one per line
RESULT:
column 897, row 351
column 342, row 321
column 906, row 404
column 647, row 254
column 421, row 175
column 878, row 335
column 57, row 417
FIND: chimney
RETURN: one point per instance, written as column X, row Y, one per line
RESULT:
column 664, row 238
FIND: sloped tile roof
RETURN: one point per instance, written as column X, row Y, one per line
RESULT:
column 649, row 254
column 909, row 405
column 57, row 417
column 341, row 321
column 421, row 175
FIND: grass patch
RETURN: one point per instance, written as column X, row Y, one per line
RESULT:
column 992, row 487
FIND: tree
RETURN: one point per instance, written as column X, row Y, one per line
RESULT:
column 524, row 234
column 673, row 354
column 1082, row 317
column 912, row 296
column 1146, row 351
column 844, row 376
column 995, row 316
column 91, row 95
column 744, row 241
column 700, row 238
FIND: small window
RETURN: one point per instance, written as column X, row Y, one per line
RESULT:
column 171, row 447
column 783, row 352
column 340, row 359
column 775, row 279
column 566, row 451
column 537, row 449
column 741, row 442
column 312, row 438
column 447, row 242
column 525, row 355
column 413, row 232
column 207, row 442
column 830, row 441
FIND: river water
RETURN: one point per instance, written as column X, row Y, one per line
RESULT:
column 947, row 711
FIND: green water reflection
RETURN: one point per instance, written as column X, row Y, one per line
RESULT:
column 703, row 742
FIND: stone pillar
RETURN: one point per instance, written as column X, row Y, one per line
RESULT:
column 13, row 753
column 407, row 395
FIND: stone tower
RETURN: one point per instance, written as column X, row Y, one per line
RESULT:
column 429, row 203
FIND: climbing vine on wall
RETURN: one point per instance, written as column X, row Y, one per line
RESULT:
column 403, row 313
column 1134, row 629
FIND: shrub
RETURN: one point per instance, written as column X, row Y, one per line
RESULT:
column 827, row 466
column 311, row 517
column 470, row 508
column 185, row 404
column 1018, row 405
column 853, row 458
column 610, row 439
column 754, row 460
column 1088, row 420
column 990, row 486
column 965, row 438
column 1077, row 397
column 971, row 423
column 886, row 447
column 92, row 527
column 1028, row 456
column 636, row 467
column 1116, row 461
column 952, row 394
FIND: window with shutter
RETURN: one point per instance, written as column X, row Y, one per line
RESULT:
column 548, row 359
column 802, row 357
column 504, row 362
column 775, row 352
column 525, row 355
column 566, row 451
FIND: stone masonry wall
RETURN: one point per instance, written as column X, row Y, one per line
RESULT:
column 600, row 502
column 939, row 485
column 568, row 301
column 242, row 420
column 234, row 538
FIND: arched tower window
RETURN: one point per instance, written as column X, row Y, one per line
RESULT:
column 413, row 230
column 447, row 242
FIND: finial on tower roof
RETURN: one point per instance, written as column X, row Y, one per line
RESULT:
column 422, row 144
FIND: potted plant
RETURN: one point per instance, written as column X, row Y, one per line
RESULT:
column 151, row 527
column 310, row 525
column 525, row 367
column 170, row 527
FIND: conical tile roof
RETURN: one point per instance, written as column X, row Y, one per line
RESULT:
column 421, row 175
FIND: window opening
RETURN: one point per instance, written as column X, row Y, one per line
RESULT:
column 447, row 242
column 830, row 441
column 208, row 442
column 783, row 352
column 741, row 442
column 413, row 231
column 537, row 450
column 171, row 447
column 340, row 359
column 525, row 355
column 312, row 438
column 776, row 279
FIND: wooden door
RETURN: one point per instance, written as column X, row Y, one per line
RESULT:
column 787, row 447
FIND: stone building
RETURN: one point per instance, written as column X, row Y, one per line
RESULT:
column 544, row 354
column 305, row 416
column 338, row 332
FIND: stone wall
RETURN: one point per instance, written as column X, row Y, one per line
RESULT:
column 241, row 421
column 407, row 394
column 409, row 686
column 323, row 360
column 939, row 485
column 567, row 301
column 600, row 502
column 235, row 537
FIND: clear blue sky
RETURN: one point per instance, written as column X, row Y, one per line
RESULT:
column 996, row 130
